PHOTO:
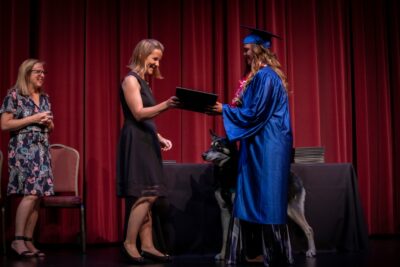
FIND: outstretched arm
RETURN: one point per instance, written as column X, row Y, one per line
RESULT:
column 131, row 89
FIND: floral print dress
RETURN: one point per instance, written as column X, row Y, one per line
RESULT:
column 29, row 162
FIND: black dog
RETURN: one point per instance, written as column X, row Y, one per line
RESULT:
column 223, row 154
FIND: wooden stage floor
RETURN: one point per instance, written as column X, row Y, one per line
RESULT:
column 382, row 252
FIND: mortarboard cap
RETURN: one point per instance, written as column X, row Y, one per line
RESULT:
column 259, row 37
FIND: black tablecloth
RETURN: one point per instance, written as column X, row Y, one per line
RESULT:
column 191, row 223
column 332, row 206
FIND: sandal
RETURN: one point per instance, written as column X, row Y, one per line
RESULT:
column 22, row 254
column 36, row 252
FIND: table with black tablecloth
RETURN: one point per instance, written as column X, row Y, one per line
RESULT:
column 192, row 223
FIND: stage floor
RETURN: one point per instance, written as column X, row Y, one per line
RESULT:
column 382, row 252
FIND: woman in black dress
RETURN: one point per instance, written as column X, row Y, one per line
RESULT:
column 139, row 162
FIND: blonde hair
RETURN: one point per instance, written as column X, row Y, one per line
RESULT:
column 139, row 55
column 24, row 73
column 264, row 56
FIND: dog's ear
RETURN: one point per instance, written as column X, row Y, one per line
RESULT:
column 213, row 135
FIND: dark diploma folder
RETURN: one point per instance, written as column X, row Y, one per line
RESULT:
column 195, row 100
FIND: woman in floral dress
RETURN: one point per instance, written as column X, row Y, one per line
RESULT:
column 26, row 114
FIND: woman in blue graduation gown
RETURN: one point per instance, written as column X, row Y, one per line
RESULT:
column 260, row 120
column 262, row 125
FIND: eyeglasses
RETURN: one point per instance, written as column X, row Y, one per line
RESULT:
column 39, row 72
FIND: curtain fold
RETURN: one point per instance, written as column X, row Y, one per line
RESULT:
column 167, row 29
column 393, row 43
column 374, row 140
column 101, row 116
column 341, row 58
column 64, row 57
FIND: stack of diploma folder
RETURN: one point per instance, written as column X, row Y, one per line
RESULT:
column 309, row 155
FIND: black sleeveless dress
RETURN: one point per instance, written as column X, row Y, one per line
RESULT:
column 139, row 161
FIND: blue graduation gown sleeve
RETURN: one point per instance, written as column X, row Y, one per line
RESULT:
column 258, row 102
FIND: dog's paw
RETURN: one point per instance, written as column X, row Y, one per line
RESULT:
column 311, row 253
column 219, row 257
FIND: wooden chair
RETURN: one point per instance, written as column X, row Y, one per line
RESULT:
column 65, row 167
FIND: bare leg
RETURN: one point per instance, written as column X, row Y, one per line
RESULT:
column 137, row 216
column 30, row 228
column 24, row 211
column 146, row 236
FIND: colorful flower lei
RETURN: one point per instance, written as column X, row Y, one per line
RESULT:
column 237, row 99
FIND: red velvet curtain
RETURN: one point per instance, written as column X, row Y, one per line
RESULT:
column 341, row 58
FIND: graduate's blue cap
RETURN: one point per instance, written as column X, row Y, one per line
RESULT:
column 259, row 37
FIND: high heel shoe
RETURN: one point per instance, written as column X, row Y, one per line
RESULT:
column 134, row 260
column 156, row 258
column 22, row 254
column 37, row 252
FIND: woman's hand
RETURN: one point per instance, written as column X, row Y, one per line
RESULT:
column 216, row 109
column 164, row 143
column 173, row 102
column 48, row 121
column 43, row 118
